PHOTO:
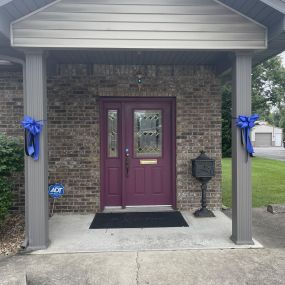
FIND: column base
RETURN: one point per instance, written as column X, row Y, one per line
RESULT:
column 242, row 242
column 204, row 213
column 34, row 248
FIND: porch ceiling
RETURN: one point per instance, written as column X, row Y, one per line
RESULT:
column 143, row 57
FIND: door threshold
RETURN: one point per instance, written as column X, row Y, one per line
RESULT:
column 151, row 208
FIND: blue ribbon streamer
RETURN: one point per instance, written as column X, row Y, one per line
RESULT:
column 33, row 129
column 246, row 123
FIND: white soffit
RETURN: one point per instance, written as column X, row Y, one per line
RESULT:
column 138, row 24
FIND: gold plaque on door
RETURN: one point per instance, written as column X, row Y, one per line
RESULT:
column 148, row 161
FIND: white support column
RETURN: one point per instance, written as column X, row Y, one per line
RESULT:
column 36, row 172
column 241, row 164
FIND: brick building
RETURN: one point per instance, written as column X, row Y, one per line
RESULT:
column 70, row 127
column 129, row 93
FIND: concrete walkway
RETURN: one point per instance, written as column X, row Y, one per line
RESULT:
column 277, row 153
column 219, row 267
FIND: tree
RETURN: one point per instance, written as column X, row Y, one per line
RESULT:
column 268, row 98
column 226, row 119
column 268, row 87
column 278, row 117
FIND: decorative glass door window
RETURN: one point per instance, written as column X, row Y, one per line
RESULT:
column 112, row 133
column 147, row 133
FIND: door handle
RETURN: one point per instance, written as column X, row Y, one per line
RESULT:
column 127, row 163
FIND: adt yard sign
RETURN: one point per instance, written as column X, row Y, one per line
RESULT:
column 56, row 190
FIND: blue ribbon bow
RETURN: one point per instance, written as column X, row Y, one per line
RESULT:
column 246, row 123
column 33, row 129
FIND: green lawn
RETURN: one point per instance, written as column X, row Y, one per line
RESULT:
column 268, row 182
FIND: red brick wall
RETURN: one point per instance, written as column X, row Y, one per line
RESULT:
column 73, row 125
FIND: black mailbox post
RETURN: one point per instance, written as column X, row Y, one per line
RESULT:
column 203, row 168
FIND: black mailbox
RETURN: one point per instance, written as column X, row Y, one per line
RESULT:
column 203, row 168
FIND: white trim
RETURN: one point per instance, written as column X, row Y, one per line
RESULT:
column 248, row 18
column 138, row 47
column 11, row 35
column 35, row 12
column 239, row 13
column 27, row 16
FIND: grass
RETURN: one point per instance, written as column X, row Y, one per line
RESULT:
column 268, row 182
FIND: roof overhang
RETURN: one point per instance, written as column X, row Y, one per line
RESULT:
column 270, row 10
column 4, row 25
column 270, row 13
column 4, row 2
column 278, row 5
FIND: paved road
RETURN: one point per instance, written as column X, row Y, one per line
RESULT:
column 277, row 153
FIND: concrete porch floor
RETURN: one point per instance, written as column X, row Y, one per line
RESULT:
column 71, row 234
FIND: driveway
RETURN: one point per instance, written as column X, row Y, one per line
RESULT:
column 267, row 228
column 277, row 153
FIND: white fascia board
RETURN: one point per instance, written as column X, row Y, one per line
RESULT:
column 248, row 18
column 241, row 14
column 27, row 16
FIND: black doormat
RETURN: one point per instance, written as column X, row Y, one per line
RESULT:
column 138, row 220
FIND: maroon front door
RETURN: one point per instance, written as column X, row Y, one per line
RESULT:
column 137, row 146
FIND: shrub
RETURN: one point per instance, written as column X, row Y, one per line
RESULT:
column 5, row 197
column 11, row 160
column 226, row 121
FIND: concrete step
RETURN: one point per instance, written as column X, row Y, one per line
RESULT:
column 128, row 209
